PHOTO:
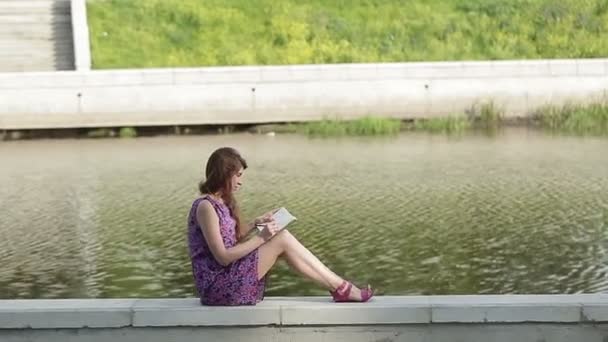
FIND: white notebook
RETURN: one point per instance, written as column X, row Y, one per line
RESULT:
column 282, row 217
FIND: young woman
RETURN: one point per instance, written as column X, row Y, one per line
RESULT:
column 229, row 272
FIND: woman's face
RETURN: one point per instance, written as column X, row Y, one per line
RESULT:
column 237, row 180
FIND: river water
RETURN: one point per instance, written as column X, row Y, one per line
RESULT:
column 517, row 212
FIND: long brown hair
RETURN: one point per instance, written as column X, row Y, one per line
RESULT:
column 224, row 163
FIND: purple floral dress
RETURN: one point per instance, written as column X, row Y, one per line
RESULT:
column 235, row 284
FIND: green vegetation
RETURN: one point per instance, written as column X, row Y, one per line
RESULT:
column 363, row 126
column 127, row 132
column 590, row 119
column 163, row 33
column 586, row 119
column 450, row 125
column 101, row 133
column 124, row 132
column 486, row 115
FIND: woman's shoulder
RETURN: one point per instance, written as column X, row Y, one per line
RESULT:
column 203, row 199
column 205, row 205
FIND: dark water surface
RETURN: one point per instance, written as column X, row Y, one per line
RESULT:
column 520, row 212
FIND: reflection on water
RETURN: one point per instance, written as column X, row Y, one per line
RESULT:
column 519, row 212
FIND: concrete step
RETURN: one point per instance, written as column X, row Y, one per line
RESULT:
column 38, row 1
column 34, row 67
column 34, row 42
column 16, row 31
column 43, row 28
column 37, row 56
column 29, row 36
column 38, row 11
column 34, row 6
column 61, row 2
column 37, row 65
column 37, row 62
column 35, row 35
column 49, row 34
column 34, row 18
column 11, row 54
column 51, row 51
column 23, row 58
column 29, row 60
column 47, row 48
column 33, row 27
column 66, row 50
column 16, row 54
column 13, row 11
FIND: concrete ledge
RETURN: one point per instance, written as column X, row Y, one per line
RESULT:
column 528, row 318
column 189, row 312
column 297, row 73
column 66, row 313
column 265, row 94
column 296, row 311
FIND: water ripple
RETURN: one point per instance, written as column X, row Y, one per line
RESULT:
column 516, row 213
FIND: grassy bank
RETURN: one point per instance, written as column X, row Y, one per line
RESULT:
column 580, row 119
column 161, row 33
column 366, row 126
column 590, row 119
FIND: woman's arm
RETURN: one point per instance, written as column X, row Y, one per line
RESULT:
column 210, row 225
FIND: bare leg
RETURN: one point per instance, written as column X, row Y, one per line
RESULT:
column 300, row 259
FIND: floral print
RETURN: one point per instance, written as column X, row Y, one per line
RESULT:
column 235, row 284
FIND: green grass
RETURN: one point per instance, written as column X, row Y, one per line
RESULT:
column 584, row 119
column 100, row 133
column 366, row 126
column 450, row 125
column 165, row 33
column 127, row 132
column 589, row 119
column 486, row 115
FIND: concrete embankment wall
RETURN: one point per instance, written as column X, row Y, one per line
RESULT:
column 502, row 318
column 262, row 94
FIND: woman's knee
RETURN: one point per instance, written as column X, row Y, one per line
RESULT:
column 284, row 235
column 286, row 239
column 279, row 242
column 280, row 239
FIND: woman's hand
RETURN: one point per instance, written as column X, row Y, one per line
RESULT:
column 269, row 230
column 267, row 217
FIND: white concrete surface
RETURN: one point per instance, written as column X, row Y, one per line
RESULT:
column 396, row 333
column 187, row 312
column 78, row 313
column 232, row 95
column 80, row 30
column 65, row 313
column 532, row 318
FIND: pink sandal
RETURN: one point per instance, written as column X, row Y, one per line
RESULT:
column 343, row 291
